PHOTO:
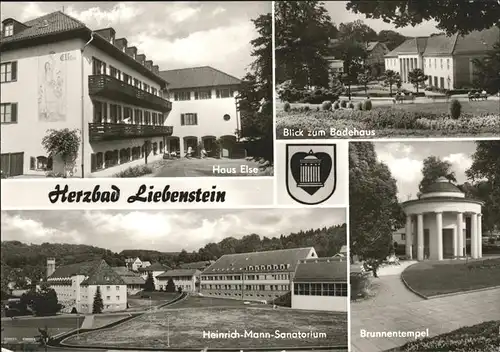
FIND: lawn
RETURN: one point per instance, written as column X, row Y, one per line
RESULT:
column 432, row 278
column 103, row 320
column 28, row 327
column 484, row 337
column 187, row 326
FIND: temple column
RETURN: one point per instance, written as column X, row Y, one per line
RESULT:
column 408, row 237
column 455, row 243
column 473, row 236
column 460, row 234
column 420, row 236
column 479, row 236
column 439, row 230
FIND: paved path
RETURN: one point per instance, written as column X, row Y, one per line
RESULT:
column 88, row 323
column 395, row 308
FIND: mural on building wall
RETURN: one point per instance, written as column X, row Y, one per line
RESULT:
column 52, row 87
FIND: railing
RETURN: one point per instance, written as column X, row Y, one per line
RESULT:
column 114, row 131
column 112, row 88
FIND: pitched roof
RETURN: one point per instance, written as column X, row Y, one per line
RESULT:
column 154, row 267
column 129, row 277
column 410, row 46
column 178, row 272
column 197, row 265
column 321, row 270
column 477, row 41
column 197, row 77
column 241, row 262
column 52, row 23
column 441, row 185
column 97, row 272
column 440, row 45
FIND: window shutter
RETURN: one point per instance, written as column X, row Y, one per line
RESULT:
column 32, row 163
column 195, row 119
column 13, row 115
column 92, row 162
column 14, row 70
column 182, row 119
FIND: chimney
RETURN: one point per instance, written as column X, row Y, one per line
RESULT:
column 131, row 51
column 121, row 44
column 51, row 266
column 156, row 69
column 107, row 33
column 149, row 64
column 141, row 58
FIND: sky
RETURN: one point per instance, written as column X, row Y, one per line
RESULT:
column 172, row 34
column 339, row 14
column 405, row 160
column 167, row 230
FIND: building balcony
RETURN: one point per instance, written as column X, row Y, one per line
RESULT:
column 112, row 88
column 115, row 131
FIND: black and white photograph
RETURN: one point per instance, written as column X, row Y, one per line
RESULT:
column 263, row 279
column 136, row 89
column 425, row 245
column 369, row 69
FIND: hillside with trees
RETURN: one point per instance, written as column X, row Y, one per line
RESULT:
column 21, row 261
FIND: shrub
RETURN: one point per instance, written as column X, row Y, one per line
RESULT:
column 55, row 174
column 359, row 105
column 286, row 107
column 326, row 105
column 359, row 285
column 455, row 109
column 307, row 108
column 367, row 105
column 351, row 105
column 336, row 106
column 343, row 103
column 135, row 171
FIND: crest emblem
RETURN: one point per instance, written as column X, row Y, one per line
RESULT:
column 311, row 172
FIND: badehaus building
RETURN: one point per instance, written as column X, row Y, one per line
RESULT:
column 56, row 73
column 443, row 224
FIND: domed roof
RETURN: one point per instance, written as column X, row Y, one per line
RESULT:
column 441, row 185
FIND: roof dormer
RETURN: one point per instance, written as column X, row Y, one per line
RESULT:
column 141, row 58
column 121, row 44
column 131, row 51
column 107, row 33
column 10, row 27
column 149, row 64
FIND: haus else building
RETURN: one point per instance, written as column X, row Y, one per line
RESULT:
column 441, row 222
column 76, row 285
column 261, row 276
column 57, row 73
column 154, row 270
column 204, row 110
column 135, row 283
column 188, row 280
column 446, row 60
column 320, row 284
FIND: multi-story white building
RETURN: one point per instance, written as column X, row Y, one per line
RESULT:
column 76, row 285
column 56, row 73
column 154, row 270
column 320, row 284
column 446, row 60
column 254, row 276
column 204, row 111
column 187, row 280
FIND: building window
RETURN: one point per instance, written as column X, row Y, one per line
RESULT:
column 8, row 72
column 448, row 64
column 147, row 117
column 127, row 79
column 124, row 155
column 190, row 120
column 100, row 112
column 155, row 118
column 43, row 163
column 137, row 83
column 403, row 236
column 117, row 298
column 110, row 159
column 8, row 30
column 115, row 113
column 154, row 91
column 8, row 113
column 138, row 116
column 180, row 96
column 114, row 72
column 227, row 117
column 98, row 67
column 224, row 93
column 127, row 114
column 108, row 298
column 441, row 60
column 146, row 87
column 203, row 94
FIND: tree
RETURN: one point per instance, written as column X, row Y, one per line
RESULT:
column 484, row 173
column 357, row 31
column 149, row 286
column 303, row 31
column 391, row 77
column 170, row 285
column 364, row 79
column 391, row 39
column 433, row 169
column 62, row 143
column 98, row 305
column 417, row 77
column 375, row 212
column 42, row 301
column 451, row 16
column 486, row 70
